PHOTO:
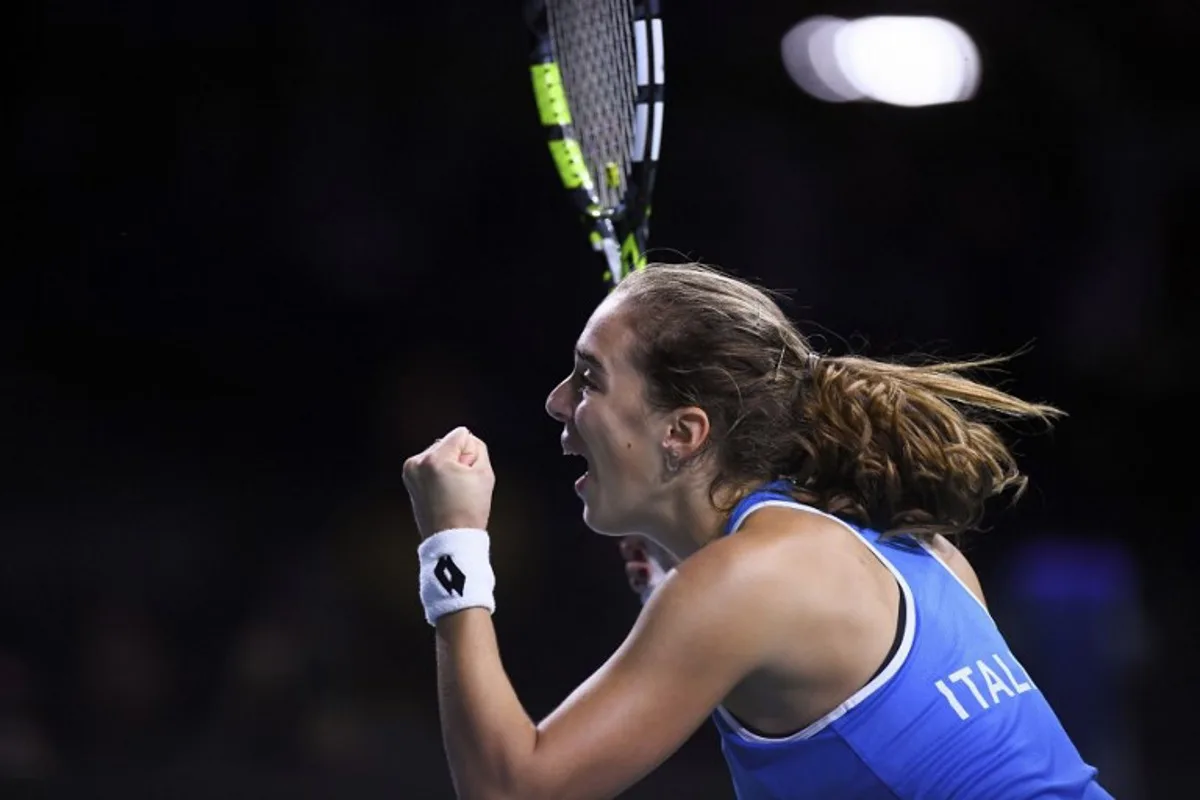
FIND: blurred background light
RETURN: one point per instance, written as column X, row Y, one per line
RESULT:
column 902, row 61
column 810, row 60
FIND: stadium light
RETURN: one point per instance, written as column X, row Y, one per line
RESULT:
column 903, row 61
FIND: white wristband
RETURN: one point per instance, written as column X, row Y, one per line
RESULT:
column 456, row 573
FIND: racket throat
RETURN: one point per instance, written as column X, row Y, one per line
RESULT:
column 611, row 250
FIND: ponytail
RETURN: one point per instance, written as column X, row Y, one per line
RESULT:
column 894, row 447
column 906, row 449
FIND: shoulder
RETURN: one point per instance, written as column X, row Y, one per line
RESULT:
column 776, row 543
column 957, row 563
column 794, row 543
column 783, row 568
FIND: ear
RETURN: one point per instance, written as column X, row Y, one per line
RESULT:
column 688, row 433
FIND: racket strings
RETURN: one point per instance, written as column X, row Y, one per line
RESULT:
column 594, row 46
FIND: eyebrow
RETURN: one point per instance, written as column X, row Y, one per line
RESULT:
column 590, row 360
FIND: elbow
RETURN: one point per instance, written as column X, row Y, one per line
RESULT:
column 496, row 791
column 481, row 793
column 508, row 787
column 479, row 790
column 505, row 774
column 502, row 784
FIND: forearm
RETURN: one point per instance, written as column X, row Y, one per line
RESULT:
column 489, row 738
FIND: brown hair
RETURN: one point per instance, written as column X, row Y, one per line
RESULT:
column 896, row 447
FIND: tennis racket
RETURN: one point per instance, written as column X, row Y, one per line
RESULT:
column 597, row 69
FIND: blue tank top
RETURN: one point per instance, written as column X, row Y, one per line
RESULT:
column 952, row 714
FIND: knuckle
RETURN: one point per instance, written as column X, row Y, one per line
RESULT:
column 417, row 465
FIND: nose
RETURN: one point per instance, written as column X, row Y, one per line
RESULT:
column 558, row 402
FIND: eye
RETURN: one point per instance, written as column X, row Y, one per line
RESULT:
column 583, row 380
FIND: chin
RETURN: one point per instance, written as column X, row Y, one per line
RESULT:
column 598, row 523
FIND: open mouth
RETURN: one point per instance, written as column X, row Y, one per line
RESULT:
column 581, row 481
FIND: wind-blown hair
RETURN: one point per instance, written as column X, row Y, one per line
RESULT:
column 895, row 447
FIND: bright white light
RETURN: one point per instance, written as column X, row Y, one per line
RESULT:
column 905, row 61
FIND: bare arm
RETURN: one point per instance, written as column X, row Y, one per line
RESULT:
column 693, row 643
column 485, row 730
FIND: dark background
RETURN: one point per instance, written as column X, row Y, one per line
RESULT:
column 262, row 252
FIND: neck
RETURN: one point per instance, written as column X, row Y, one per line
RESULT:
column 696, row 518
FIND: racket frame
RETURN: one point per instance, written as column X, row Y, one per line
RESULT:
column 620, row 234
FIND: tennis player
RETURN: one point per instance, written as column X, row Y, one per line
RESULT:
column 818, row 614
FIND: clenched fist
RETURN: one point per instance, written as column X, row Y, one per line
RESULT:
column 450, row 484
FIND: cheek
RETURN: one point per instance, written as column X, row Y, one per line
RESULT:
column 584, row 418
column 581, row 411
column 612, row 438
column 598, row 428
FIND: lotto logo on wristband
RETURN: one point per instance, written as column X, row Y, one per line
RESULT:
column 450, row 576
column 446, row 558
